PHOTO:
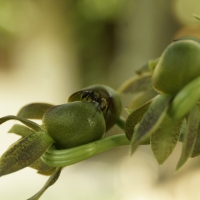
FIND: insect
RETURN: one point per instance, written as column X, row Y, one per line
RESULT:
column 94, row 96
column 107, row 99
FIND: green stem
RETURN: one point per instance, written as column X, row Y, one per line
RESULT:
column 121, row 123
column 62, row 158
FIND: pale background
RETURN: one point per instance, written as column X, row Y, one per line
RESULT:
column 49, row 49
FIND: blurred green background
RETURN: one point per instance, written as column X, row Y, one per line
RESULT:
column 49, row 49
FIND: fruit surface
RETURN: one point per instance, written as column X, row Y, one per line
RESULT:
column 178, row 65
column 74, row 123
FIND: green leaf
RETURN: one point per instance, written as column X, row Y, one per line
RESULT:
column 196, row 150
column 142, row 98
column 185, row 99
column 151, row 120
column 52, row 179
column 128, row 110
column 136, row 84
column 190, row 136
column 27, row 122
column 34, row 110
column 196, row 16
column 20, row 130
column 134, row 118
column 152, row 64
column 165, row 138
column 42, row 168
column 24, row 152
column 143, row 69
column 39, row 165
column 183, row 127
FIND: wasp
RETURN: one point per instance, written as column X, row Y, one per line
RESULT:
column 94, row 96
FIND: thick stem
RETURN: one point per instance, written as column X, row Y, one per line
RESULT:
column 62, row 158
column 121, row 123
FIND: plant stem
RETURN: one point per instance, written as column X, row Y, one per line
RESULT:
column 62, row 158
column 121, row 123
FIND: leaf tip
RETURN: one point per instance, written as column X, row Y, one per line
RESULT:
column 181, row 162
column 133, row 147
column 160, row 162
column 132, row 150
column 196, row 16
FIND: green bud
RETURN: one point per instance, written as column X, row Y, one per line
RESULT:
column 178, row 65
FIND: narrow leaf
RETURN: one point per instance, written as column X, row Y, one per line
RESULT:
column 39, row 165
column 183, row 127
column 128, row 110
column 190, row 136
column 151, row 120
column 185, row 99
column 52, row 179
column 27, row 122
column 134, row 118
column 196, row 150
column 42, row 168
column 142, row 98
column 34, row 110
column 165, row 138
column 196, row 16
column 24, row 152
column 137, row 84
column 142, row 69
column 20, row 130
column 152, row 64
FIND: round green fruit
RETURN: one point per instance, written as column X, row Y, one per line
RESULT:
column 178, row 65
column 74, row 123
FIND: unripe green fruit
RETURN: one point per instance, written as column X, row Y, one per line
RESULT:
column 178, row 65
column 74, row 123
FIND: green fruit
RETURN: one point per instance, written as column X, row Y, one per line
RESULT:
column 74, row 123
column 178, row 65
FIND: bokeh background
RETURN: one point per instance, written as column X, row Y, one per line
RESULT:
column 50, row 49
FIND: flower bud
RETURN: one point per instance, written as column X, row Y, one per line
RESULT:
column 178, row 65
